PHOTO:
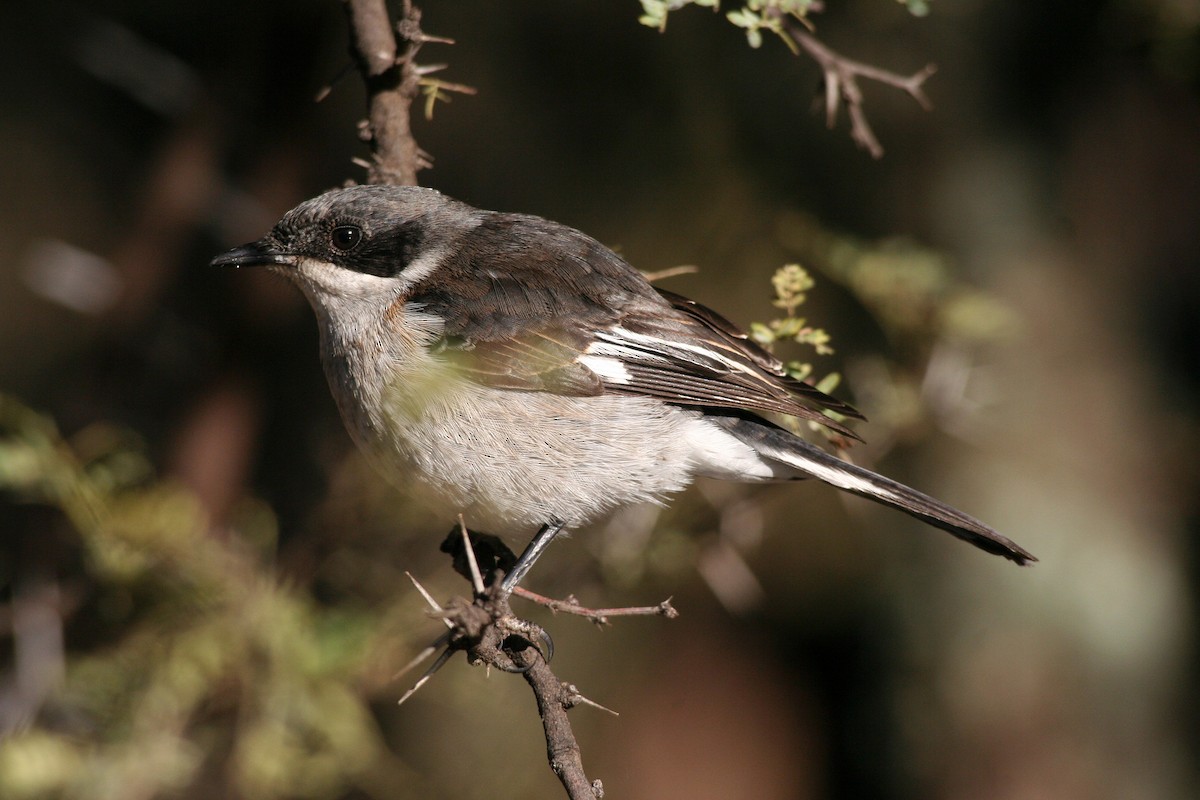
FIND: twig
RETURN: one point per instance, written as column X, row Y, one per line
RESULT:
column 387, row 61
column 841, row 84
column 562, row 750
column 670, row 272
column 494, row 637
column 597, row 615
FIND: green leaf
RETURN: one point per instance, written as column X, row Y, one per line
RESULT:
column 829, row 382
column 918, row 8
column 788, row 328
column 762, row 334
column 798, row 370
column 742, row 18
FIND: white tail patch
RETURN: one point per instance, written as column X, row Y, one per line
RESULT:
column 832, row 475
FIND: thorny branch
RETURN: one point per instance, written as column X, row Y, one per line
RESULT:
column 387, row 61
column 493, row 637
column 486, row 628
column 554, row 698
column 841, row 76
column 600, row 616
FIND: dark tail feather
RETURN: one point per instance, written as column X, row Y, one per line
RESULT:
column 808, row 460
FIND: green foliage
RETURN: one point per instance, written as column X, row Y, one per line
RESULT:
column 207, row 651
column 791, row 283
column 918, row 8
column 654, row 12
column 920, row 305
column 767, row 15
column 754, row 16
column 911, row 290
column 438, row 91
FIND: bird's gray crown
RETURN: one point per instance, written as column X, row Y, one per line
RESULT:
column 376, row 230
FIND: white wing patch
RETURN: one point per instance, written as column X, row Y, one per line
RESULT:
column 641, row 346
column 609, row 368
column 608, row 345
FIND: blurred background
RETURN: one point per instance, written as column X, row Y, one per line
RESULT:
column 202, row 589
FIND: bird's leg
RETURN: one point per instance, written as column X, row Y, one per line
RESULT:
column 532, row 553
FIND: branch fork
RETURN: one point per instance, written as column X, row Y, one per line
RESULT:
column 486, row 628
column 840, row 76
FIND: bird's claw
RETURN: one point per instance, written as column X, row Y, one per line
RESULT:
column 524, row 633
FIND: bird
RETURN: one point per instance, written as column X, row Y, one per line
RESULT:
column 519, row 372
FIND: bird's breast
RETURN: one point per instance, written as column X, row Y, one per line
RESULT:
column 510, row 460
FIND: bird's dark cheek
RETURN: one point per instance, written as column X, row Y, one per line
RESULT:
column 373, row 261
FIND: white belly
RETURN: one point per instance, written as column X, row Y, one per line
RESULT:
column 520, row 459
column 511, row 461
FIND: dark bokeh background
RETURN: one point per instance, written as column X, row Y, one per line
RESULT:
column 826, row 649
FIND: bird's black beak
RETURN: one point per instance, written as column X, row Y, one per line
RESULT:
column 256, row 254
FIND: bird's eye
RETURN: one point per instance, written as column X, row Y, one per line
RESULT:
column 346, row 237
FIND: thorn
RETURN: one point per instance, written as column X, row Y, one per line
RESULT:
column 424, row 654
column 433, row 604
column 574, row 697
column 326, row 90
column 428, row 69
column 429, row 673
column 476, row 578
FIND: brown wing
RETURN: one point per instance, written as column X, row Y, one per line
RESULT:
column 580, row 321
column 737, row 344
